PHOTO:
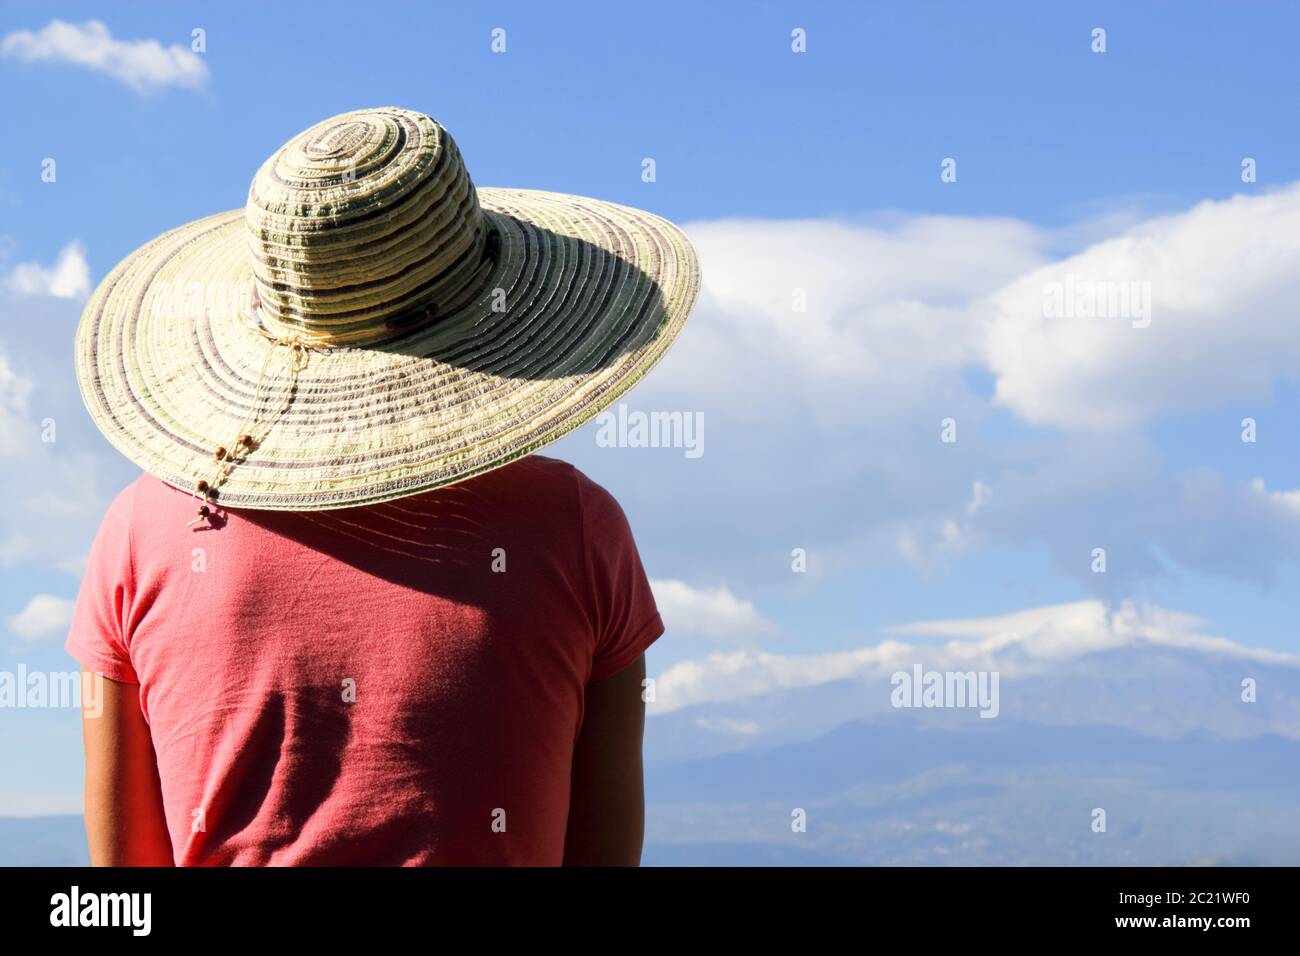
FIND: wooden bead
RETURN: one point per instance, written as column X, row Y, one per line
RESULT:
column 220, row 452
column 203, row 487
column 246, row 441
column 204, row 511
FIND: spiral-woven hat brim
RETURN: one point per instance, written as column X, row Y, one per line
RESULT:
column 583, row 298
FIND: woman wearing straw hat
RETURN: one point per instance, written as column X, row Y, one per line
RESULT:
column 347, row 616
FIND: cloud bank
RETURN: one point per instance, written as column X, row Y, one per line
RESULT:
column 1026, row 642
column 143, row 65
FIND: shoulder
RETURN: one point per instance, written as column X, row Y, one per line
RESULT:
column 591, row 498
column 554, row 492
column 541, row 467
column 146, row 502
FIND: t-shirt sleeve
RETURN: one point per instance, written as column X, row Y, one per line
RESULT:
column 623, row 611
column 98, row 638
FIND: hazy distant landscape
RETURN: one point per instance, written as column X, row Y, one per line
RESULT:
column 1135, row 713
column 891, row 792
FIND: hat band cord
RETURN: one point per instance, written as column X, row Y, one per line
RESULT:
column 245, row 438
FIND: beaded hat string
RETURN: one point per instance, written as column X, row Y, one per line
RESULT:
column 247, row 436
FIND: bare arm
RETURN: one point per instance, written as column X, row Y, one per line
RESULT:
column 607, row 799
column 124, row 808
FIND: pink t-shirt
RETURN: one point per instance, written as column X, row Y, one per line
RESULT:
column 399, row 683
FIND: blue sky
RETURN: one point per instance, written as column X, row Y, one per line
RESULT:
column 818, row 171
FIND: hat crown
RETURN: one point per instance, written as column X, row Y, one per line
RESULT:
column 363, row 227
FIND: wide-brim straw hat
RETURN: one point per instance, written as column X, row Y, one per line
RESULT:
column 370, row 325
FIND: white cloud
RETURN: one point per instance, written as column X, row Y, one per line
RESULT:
column 1069, row 630
column 143, row 65
column 1222, row 284
column 68, row 278
column 1026, row 642
column 895, row 310
column 979, row 496
column 44, row 616
column 729, row 726
column 15, row 393
column 737, row 674
column 1288, row 502
column 825, row 423
column 885, row 312
column 712, row 613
